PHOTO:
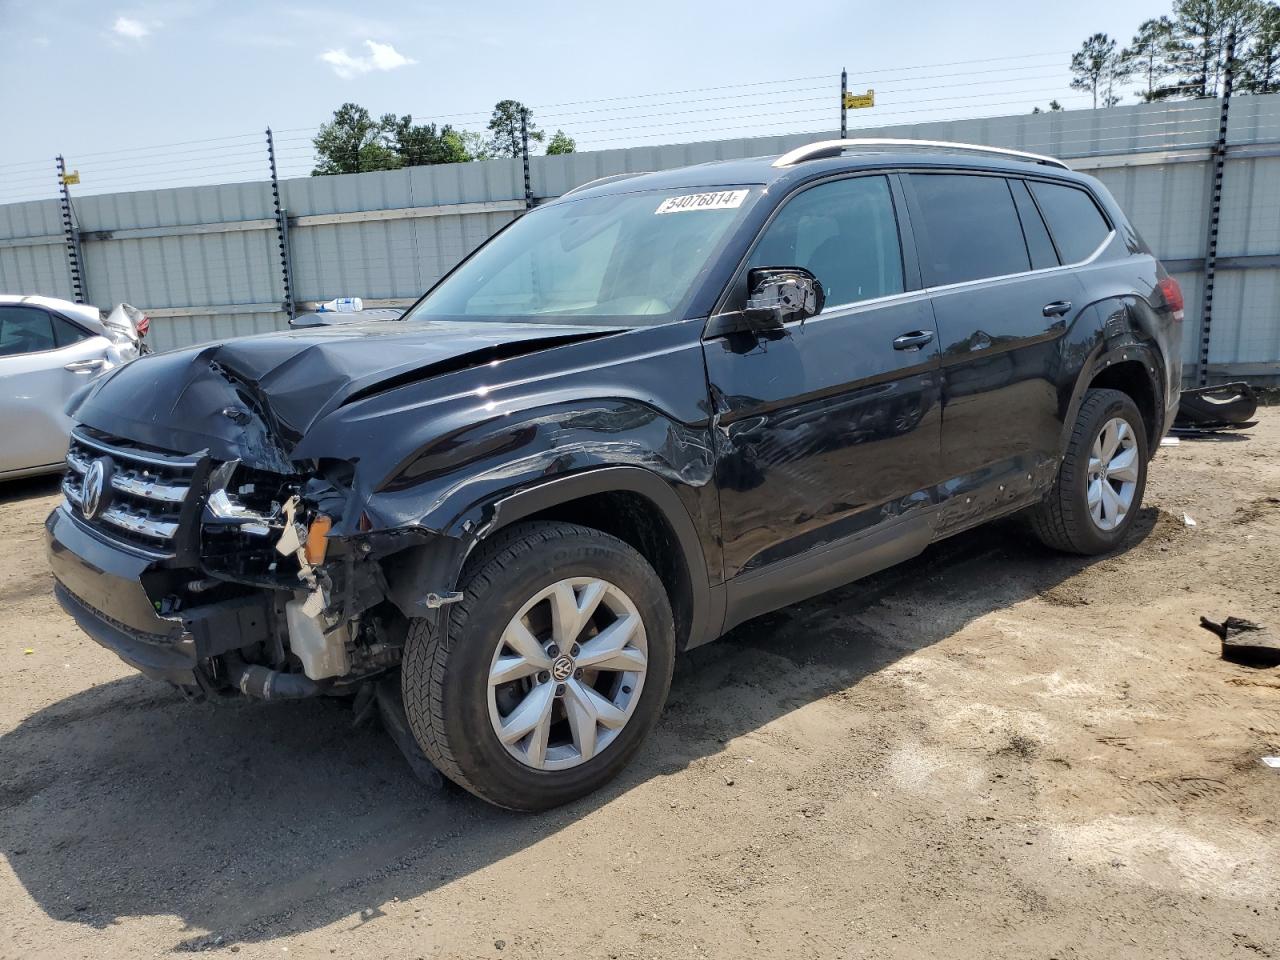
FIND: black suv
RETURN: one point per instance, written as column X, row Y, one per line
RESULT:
column 641, row 414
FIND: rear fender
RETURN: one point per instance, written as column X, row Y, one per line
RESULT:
column 1112, row 335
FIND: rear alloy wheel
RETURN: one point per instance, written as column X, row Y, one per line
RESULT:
column 1113, row 474
column 550, row 671
column 1099, row 487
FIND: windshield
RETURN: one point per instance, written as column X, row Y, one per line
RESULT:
column 630, row 258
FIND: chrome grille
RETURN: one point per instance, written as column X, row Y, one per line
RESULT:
column 148, row 488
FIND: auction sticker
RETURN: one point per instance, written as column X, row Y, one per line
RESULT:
column 720, row 200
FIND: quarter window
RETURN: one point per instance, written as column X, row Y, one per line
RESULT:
column 1043, row 254
column 1075, row 221
column 971, row 229
column 25, row 330
column 66, row 333
column 845, row 233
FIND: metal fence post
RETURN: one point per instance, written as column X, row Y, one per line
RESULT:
column 524, row 150
column 71, row 231
column 282, row 231
column 844, row 108
column 1215, row 209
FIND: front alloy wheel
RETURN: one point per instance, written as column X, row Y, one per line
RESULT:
column 567, row 674
column 541, row 683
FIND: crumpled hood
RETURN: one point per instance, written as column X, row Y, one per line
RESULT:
column 285, row 382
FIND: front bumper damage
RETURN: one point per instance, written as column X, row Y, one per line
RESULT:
column 263, row 597
column 100, row 585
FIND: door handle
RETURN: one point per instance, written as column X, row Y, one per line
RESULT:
column 1056, row 309
column 912, row 341
column 85, row 366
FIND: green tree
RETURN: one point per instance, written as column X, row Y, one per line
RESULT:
column 474, row 145
column 1261, row 73
column 504, row 128
column 560, row 143
column 1054, row 107
column 1206, row 26
column 422, row 144
column 1153, row 55
column 353, row 142
column 1097, row 67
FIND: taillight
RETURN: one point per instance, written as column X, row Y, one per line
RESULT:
column 144, row 325
column 1172, row 294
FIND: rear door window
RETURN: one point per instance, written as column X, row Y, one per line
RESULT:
column 25, row 330
column 970, row 228
column 845, row 233
column 1077, row 225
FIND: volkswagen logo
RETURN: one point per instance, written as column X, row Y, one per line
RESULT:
column 92, row 498
column 562, row 669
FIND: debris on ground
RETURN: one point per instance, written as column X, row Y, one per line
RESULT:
column 1187, row 520
column 1227, row 405
column 1272, row 762
column 1245, row 642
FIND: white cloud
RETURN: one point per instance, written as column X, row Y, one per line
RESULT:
column 381, row 57
column 130, row 29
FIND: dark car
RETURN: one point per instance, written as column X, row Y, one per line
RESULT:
column 641, row 414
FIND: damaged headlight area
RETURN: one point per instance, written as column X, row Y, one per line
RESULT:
column 331, row 625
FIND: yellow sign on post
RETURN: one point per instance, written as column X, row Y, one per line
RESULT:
column 71, row 178
column 857, row 101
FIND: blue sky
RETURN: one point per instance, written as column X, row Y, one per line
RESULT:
column 100, row 81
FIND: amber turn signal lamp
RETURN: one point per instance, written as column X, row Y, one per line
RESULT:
column 316, row 542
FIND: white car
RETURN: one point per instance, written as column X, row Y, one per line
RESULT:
column 49, row 349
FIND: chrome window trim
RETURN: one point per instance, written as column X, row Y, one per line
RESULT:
column 854, row 306
column 948, row 287
column 907, row 295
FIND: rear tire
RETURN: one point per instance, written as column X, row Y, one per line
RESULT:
column 524, row 593
column 1099, row 487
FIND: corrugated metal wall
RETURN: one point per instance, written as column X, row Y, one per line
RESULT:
column 203, row 261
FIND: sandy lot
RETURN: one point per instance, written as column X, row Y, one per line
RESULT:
column 990, row 752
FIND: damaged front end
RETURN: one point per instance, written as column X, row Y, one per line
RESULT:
column 269, row 515
column 231, row 568
column 267, row 532
column 218, row 576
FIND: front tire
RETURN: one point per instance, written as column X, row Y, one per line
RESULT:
column 1100, row 483
column 550, row 671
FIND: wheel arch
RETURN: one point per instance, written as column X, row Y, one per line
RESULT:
column 643, row 511
column 639, row 507
column 1122, row 359
column 1133, row 378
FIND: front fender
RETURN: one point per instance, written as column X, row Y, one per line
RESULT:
column 426, row 576
column 469, row 482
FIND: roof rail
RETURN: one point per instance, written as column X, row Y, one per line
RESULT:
column 599, row 181
column 833, row 148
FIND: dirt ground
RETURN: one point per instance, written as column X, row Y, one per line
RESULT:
column 989, row 752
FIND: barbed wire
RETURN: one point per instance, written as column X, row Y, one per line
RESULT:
column 770, row 107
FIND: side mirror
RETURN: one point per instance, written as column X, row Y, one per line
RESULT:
column 779, row 294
